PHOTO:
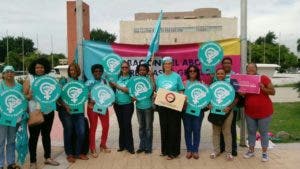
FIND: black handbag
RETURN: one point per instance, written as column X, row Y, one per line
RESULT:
column 217, row 119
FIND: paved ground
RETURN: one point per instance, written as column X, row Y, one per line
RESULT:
column 283, row 156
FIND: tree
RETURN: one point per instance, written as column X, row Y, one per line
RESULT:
column 15, row 45
column 268, row 39
column 270, row 51
column 103, row 36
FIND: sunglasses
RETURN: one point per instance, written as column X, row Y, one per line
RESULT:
column 124, row 67
column 192, row 71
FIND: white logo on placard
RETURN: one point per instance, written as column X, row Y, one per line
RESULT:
column 140, row 88
column 47, row 89
column 197, row 94
column 220, row 94
column 210, row 54
column 73, row 93
column 112, row 63
column 103, row 95
column 167, row 85
column 12, row 102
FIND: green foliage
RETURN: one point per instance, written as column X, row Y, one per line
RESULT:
column 103, row 36
column 15, row 45
column 265, row 50
column 286, row 118
column 16, row 56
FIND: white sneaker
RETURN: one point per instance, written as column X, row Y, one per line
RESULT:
column 264, row 157
column 249, row 154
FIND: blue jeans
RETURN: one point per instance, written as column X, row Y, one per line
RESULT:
column 66, row 121
column 192, row 131
column 8, row 136
column 79, row 126
column 145, row 119
column 258, row 124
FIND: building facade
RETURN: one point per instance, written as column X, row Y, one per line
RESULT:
column 204, row 24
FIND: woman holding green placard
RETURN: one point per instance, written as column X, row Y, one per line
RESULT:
column 73, row 124
column 192, row 123
column 145, row 112
column 8, row 133
column 170, row 120
column 97, row 71
column 37, row 68
column 225, row 128
column 124, row 109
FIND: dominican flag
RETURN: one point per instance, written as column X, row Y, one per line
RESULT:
column 154, row 44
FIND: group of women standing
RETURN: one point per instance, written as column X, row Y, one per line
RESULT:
column 258, row 110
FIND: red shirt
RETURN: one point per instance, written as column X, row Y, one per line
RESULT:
column 259, row 106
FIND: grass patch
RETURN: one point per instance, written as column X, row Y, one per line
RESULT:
column 287, row 118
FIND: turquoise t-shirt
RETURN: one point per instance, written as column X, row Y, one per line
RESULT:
column 172, row 82
column 17, row 87
column 122, row 97
column 145, row 103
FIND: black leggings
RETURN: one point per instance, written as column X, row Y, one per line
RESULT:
column 45, row 130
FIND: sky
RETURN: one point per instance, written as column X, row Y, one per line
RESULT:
column 41, row 20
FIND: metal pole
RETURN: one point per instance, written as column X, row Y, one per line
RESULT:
column 279, row 49
column 265, row 49
column 37, row 44
column 79, row 31
column 243, row 63
column 51, row 51
column 7, row 56
column 23, row 54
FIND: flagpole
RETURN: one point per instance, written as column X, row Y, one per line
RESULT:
column 7, row 56
column 243, row 64
column 23, row 54
column 79, row 33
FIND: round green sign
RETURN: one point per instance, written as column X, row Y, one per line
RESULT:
column 198, row 95
column 223, row 95
column 74, row 94
column 112, row 66
column 13, row 104
column 210, row 54
column 140, row 87
column 46, row 90
column 103, row 95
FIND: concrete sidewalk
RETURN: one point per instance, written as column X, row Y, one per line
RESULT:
column 283, row 156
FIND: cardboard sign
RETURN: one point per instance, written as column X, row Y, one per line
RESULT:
column 103, row 96
column 170, row 99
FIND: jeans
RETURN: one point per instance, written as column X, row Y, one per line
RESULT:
column 7, row 138
column 45, row 130
column 66, row 121
column 124, row 115
column 79, row 126
column 93, row 119
column 192, row 131
column 145, row 119
column 263, row 126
